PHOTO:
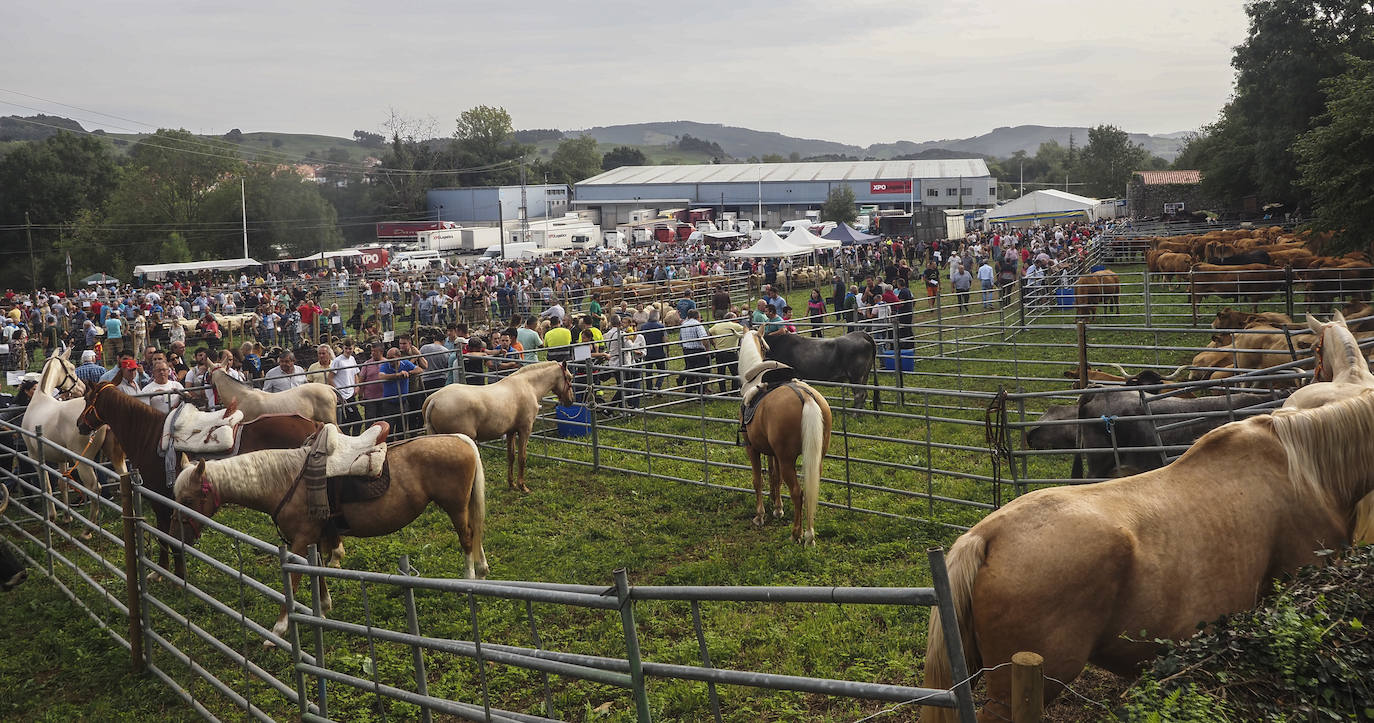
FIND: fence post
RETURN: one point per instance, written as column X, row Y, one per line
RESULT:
column 627, row 622
column 1027, row 688
column 954, row 642
column 591, row 417
column 44, row 493
column 132, row 580
column 293, row 633
column 317, row 610
column 1082, row 355
column 1192, row 294
column 1149, row 307
column 1288, row 290
column 417, row 653
column 939, row 325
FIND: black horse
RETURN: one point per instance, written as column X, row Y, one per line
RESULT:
column 849, row 358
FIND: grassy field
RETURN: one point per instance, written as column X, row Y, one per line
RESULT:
column 578, row 526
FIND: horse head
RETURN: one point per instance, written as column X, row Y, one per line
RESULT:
column 59, row 374
column 194, row 491
column 90, row 419
column 1335, row 351
column 564, row 387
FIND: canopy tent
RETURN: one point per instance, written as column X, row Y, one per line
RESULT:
column 803, row 238
column 1046, row 205
column 722, row 235
column 771, row 245
column 157, row 272
column 99, row 279
column 848, row 236
column 326, row 255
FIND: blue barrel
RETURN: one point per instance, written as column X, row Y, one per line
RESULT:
column 1065, row 297
column 888, row 362
column 573, row 421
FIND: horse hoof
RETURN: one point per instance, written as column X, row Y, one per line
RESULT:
column 154, row 577
column 268, row 645
column 758, row 520
column 523, row 488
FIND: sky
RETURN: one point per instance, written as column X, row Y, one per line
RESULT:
column 860, row 71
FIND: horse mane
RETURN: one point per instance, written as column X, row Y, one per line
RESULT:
column 528, row 367
column 1328, row 446
column 248, row 475
column 140, row 434
column 228, row 376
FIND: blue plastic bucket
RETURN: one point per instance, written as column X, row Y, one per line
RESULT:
column 573, row 421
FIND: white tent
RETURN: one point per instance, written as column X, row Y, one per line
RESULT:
column 803, row 238
column 157, row 272
column 1047, row 205
column 771, row 245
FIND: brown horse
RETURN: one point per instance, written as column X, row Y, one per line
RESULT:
column 784, row 428
column 504, row 409
column 138, row 428
column 444, row 469
column 1093, row 573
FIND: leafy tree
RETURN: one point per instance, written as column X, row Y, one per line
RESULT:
column 1108, row 160
column 174, row 250
column 54, row 181
column 1336, row 158
column 839, row 206
column 15, row 128
column 623, row 156
column 336, row 155
column 575, row 160
column 234, row 136
column 773, row 158
column 484, row 141
column 369, row 140
column 535, row 135
column 484, row 129
column 1291, row 47
column 792, row 157
column 691, row 144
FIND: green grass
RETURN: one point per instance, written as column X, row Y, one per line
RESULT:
column 578, row 526
column 293, row 148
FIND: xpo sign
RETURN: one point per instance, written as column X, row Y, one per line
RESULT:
column 889, row 187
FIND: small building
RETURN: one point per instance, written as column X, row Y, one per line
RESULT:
column 484, row 205
column 1160, row 193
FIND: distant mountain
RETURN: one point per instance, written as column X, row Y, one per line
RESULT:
column 742, row 143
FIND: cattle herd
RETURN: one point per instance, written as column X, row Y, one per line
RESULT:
column 1247, row 265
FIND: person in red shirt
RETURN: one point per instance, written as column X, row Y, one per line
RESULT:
column 309, row 311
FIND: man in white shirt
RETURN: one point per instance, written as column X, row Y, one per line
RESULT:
column 345, row 380
column 285, row 376
column 985, row 282
column 163, row 393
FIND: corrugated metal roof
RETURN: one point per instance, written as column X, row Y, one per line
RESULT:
column 792, row 172
column 1160, row 178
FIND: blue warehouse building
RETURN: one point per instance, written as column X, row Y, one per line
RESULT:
column 785, row 191
column 485, row 205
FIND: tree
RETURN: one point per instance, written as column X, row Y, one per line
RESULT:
column 576, row 159
column 54, row 181
column 484, row 128
column 1108, row 160
column 1291, row 47
column 839, row 206
column 623, row 156
column 174, row 250
column 233, row 136
column 1336, row 158
column 773, row 158
column 369, row 140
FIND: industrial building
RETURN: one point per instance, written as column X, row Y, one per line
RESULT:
column 487, row 205
column 771, row 193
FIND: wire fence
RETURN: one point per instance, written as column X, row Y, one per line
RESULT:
column 198, row 634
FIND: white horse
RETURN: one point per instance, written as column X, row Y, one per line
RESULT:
column 1342, row 372
column 313, row 401
column 59, row 422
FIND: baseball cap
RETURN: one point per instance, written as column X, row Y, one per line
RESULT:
column 128, row 364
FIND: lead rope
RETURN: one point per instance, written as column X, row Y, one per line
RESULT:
column 995, row 434
column 1110, row 424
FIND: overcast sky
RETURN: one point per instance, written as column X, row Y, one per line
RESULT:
column 861, row 71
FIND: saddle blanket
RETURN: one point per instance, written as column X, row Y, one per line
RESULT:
column 336, row 457
column 192, row 431
column 759, row 380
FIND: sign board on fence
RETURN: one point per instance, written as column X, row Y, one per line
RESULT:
column 13, row 379
column 1173, row 207
column 388, row 336
column 889, row 187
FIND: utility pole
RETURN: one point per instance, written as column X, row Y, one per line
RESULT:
column 1023, row 178
column 33, row 265
column 524, row 209
column 243, row 201
column 501, row 222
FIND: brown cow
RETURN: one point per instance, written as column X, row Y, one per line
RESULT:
column 1174, row 265
column 1100, row 287
column 1252, row 282
column 1229, row 318
column 1270, row 347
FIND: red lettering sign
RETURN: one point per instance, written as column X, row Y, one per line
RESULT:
column 889, row 187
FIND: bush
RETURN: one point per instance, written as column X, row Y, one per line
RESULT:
column 1304, row 654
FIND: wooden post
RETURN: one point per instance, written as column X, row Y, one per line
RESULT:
column 1082, row 355
column 132, row 580
column 1192, row 294
column 1027, row 688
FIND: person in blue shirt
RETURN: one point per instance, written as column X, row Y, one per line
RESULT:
column 684, row 305
column 395, row 375
column 774, row 324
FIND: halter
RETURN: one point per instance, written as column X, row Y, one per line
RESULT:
column 90, row 408
column 206, row 489
column 68, row 381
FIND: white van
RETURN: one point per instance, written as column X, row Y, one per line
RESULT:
column 517, row 250
column 788, row 227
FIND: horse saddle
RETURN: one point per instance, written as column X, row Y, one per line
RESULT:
column 759, row 380
column 194, row 432
column 342, row 469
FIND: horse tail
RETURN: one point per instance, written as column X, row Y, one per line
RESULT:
column 424, row 414
column 477, row 506
column 964, row 560
column 813, row 449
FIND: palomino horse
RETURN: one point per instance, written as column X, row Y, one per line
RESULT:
column 446, row 470
column 312, row 401
column 1095, row 572
column 58, row 420
column 1341, row 372
column 139, row 429
column 504, row 409
column 785, row 427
